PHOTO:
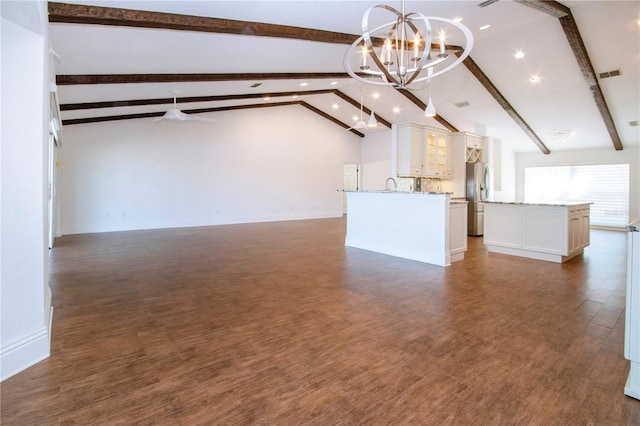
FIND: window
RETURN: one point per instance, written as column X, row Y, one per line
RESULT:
column 605, row 185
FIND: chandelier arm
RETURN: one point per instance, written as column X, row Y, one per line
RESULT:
column 369, row 45
column 427, row 44
column 466, row 50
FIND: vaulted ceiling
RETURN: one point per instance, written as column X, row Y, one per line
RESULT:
column 121, row 60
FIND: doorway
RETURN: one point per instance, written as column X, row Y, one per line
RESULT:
column 351, row 175
column 51, row 186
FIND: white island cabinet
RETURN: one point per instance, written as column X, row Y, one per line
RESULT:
column 427, row 227
column 555, row 232
column 632, row 312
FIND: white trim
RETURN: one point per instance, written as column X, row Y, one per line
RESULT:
column 632, row 387
column 24, row 353
column 188, row 223
column 532, row 254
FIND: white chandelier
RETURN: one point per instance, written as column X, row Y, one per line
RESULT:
column 397, row 53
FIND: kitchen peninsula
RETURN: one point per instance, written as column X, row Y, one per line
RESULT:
column 555, row 232
column 427, row 227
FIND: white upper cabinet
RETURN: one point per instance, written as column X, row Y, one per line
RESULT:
column 437, row 153
column 474, row 148
column 423, row 152
column 410, row 150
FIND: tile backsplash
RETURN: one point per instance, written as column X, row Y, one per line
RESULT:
column 419, row 184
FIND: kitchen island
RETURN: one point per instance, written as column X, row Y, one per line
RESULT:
column 555, row 232
column 427, row 227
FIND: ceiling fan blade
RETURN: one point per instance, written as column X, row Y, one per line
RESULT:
column 190, row 117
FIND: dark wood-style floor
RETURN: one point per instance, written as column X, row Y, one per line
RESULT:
column 280, row 324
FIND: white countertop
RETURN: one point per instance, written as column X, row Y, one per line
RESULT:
column 543, row 203
column 393, row 191
column 456, row 200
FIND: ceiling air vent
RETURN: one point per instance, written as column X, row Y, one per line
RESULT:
column 562, row 135
column 633, row 123
column 254, row 85
column 461, row 104
column 487, row 3
column 613, row 73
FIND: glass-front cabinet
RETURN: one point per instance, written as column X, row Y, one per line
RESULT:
column 423, row 152
column 437, row 157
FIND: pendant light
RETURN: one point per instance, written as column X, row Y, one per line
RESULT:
column 430, row 110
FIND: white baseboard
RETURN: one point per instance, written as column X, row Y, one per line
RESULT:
column 187, row 223
column 24, row 353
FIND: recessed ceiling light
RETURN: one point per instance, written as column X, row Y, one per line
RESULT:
column 376, row 95
column 333, row 83
column 484, row 27
column 304, row 84
column 355, row 118
column 396, row 109
column 335, row 106
column 457, row 19
column 519, row 54
column 266, row 98
column 295, row 96
column 535, row 78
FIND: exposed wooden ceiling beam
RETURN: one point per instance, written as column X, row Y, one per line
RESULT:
column 574, row 38
column 413, row 98
column 330, row 118
column 502, row 101
column 73, row 121
column 163, row 101
column 87, row 120
column 580, row 51
column 96, row 15
column 553, row 8
column 190, row 99
column 70, row 79
column 356, row 104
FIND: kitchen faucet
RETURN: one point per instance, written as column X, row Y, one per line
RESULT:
column 395, row 184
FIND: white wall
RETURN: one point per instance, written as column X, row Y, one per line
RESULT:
column 629, row 155
column 376, row 160
column 249, row 166
column 503, row 153
column 25, row 296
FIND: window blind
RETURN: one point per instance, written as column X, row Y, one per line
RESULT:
column 605, row 185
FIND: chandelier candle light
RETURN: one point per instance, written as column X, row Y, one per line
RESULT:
column 397, row 52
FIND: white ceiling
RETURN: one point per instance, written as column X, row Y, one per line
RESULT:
column 561, row 101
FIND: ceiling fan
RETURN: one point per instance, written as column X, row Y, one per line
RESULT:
column 175, row 115
column 360, row 124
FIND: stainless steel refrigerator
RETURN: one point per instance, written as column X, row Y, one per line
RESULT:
column 476, row 195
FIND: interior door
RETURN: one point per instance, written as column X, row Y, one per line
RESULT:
column 350, row 182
